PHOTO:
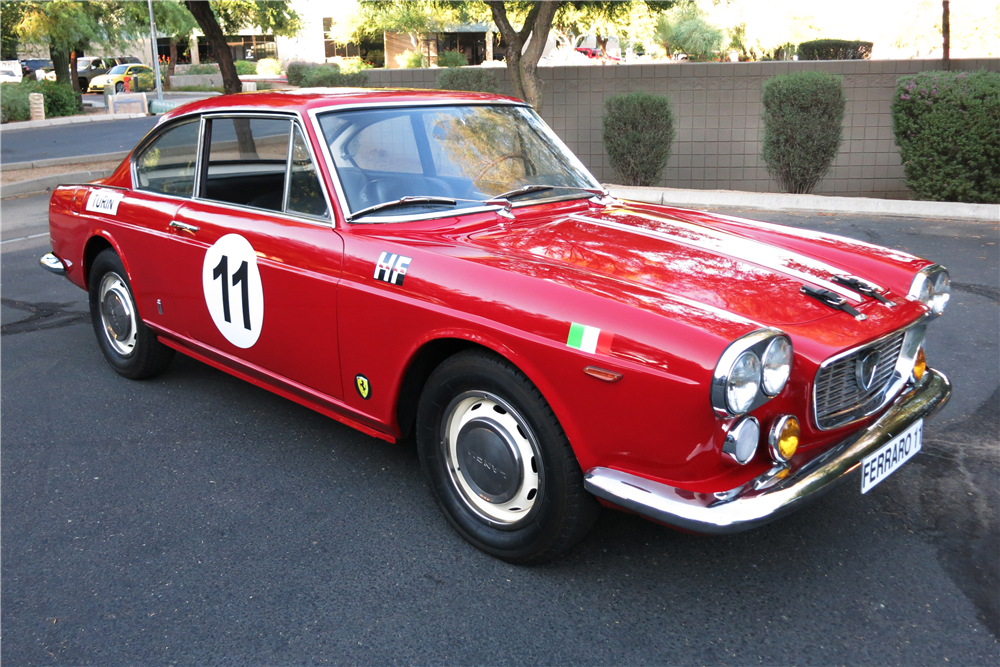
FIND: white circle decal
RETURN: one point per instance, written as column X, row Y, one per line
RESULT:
column 233, row 290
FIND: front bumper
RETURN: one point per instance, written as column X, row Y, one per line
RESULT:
column 776, row 492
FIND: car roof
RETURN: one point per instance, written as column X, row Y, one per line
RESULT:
column 305, row 99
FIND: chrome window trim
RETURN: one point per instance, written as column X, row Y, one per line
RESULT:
column 153, row 135
column 913, row 339
column 756, row 340
column 345, row 210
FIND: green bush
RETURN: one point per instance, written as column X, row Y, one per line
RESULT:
column 60, row 99
column 269, row 67
column 207, row 68
column 803, row 115
column 947, row 127
column 835, row 49
column 448, row 58
column 295, row 72
column 147, row 81
column 638, row 133
column 473, row 79
column 330, row 76
column 411, row 60
column 245, row 67
column 349, row 65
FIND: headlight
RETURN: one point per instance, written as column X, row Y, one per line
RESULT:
column 777, row 365
column 750, row 371
column 932, row 287
column 743, row 383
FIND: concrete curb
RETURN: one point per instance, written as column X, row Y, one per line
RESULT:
column 44, row 184
column 816, row 203
column 60, row 161
column 70, row 120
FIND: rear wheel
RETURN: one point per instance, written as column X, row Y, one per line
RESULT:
column 119, row 87
column 499, row 462
column 127, row 344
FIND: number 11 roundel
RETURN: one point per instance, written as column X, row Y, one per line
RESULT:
column 233, row 291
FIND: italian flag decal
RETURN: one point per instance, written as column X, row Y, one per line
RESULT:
column 589, row 339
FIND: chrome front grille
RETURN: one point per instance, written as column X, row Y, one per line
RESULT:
column 838, row 396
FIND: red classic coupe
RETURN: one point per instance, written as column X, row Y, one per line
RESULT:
column 439, row 264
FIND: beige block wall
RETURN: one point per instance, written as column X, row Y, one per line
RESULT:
column 717, row 117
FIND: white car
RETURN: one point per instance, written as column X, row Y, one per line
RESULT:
column 10, row 71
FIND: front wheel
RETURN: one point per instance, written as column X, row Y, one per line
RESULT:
column 119, row 87
column 127, row 344
column 499, row 462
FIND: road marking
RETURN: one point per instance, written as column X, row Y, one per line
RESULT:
column 25, row 238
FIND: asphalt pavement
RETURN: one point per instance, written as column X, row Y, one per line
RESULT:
column 195, row 519
column 78, row 139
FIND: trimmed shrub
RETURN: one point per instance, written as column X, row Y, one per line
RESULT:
column 60, row 99
column 411, row 60
column 803, row 115
column 947, row 127
column 269, row 67
column 638, row 133
column 330, row 76
column 295, row 72
column 472, row 79
column 835, row 49
column 207, row 68
column 244, row 67
column 448, row 58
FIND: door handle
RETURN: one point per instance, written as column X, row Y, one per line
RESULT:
column 183, row 226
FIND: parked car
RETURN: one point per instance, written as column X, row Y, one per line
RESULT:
column 116, row 77
column 88, row 68
column 30, row 65
column 439, row 264
column 10, row 71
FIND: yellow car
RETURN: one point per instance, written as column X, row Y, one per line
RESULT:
column 116, row 76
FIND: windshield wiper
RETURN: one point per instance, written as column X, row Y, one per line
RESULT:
column 402, row 201
column 528, row 189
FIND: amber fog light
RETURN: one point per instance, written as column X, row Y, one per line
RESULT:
column 920, row 365
column 784, row 438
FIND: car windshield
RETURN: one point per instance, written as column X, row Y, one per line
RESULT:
column 447, row 158
column 118, row 69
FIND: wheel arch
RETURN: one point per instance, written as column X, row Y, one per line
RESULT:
column 95, row 245
column 422, row 363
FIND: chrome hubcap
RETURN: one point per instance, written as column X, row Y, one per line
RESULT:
column 118, row 314
column 491, row 457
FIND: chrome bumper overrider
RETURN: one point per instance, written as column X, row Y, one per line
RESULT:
column 774, row 493
column 52, row 263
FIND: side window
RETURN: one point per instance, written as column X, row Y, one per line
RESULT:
column 247, row 158
column 168, row 164
column 387, row 146
column 305, row 195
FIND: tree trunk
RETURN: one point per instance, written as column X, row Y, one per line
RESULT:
column 202, row 12
column 60, row 63
column 523, row 67
column 173, row 58
column 946, row 33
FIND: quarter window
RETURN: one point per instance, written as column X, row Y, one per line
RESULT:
column 305, row 195
column 168, row 164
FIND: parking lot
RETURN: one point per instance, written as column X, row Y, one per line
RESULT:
column 196, row 519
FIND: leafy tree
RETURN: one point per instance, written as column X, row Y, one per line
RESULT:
column 685, row 29
column 10, row 16
column 69, row 27
column 219, row 17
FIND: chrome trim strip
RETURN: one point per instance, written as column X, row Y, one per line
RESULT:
column 734, row 246
column 50, row 262
column 769, row 496
column 912, row 340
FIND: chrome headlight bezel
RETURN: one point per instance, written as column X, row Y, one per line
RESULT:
column 932, row 287
column 755, row 343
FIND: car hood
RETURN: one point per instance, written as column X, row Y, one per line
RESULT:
column 682, row 259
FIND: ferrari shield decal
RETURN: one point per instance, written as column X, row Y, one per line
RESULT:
column 589, row 339
column 363, row 386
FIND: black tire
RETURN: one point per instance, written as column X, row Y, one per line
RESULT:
column 84, row 84
column 128, row 345
column 490, row 501
column 120, row 87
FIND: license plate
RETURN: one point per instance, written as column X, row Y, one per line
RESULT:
column 880, row 464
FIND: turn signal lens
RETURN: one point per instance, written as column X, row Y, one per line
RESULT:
column 920, row 365
column 783, row 440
